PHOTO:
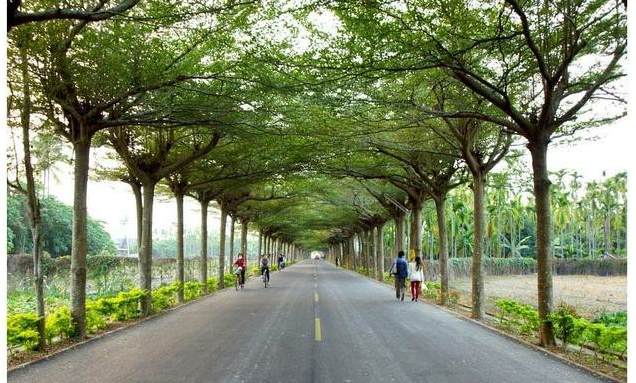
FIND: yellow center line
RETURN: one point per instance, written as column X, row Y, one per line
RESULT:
column 315, row 297
column 317, row 332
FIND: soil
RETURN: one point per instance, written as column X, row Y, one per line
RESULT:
column 589, row 294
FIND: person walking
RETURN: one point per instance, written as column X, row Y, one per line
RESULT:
column 400, row 270
column 416, row 276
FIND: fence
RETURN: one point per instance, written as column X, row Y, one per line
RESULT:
column 462, row 267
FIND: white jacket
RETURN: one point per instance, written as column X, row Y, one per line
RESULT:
column 416, row 276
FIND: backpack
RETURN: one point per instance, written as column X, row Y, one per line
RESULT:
column 401, row 269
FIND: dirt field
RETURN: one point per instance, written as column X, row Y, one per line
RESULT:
column 589, row 294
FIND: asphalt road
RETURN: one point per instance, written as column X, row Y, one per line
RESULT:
column 314, row 324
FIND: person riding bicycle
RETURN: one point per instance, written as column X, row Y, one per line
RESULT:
column 265, row 267
column 281, row 262
column 241, row 265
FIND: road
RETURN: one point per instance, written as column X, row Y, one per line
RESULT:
column 315, row 323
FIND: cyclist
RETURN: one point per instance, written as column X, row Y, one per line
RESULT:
column 241, row 265
column 281, row 262
column 265, row 267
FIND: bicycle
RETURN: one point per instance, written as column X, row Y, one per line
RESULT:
column 265, row 277
column 237, row 278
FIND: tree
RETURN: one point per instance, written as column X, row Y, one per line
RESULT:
column 523, row 59
column 167, row 151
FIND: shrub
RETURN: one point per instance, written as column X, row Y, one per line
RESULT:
column 58, row 324
column 613, row 319
column 564, row 323
column 192, row 290
column 212, row 285
column 228, row 279
column 432, row 290
column 123, row 306
column 22, row 330
column 95, row 321
column 164, row 296
column 519, row 317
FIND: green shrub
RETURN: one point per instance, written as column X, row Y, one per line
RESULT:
column 518, row 317
column 192, row 290
column 58, row 324
column 123, row 306
column 22, row 330
column 212, row 285
column 564, row 319
column 613, row 319
column 164, row 296
column 228, row 279
column 432, row 290
column 95, row 321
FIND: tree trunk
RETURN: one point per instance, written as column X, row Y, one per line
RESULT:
column 606, row 234
column 352, row 252
column 379, row 245
column 399, row 233
column 33, row 204
column 479, row 190
column 145, row 251
column 443, row 246
column 136, row 189
column 79, row 243
column 373, row 253
column 415, row 238
column 180, row 274
column 539, row 150
column 232, row 229
column 203, row 272
column 244, row 224
column 260, row 243
column 222, row 248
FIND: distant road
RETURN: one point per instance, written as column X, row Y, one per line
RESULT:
column 315, row 324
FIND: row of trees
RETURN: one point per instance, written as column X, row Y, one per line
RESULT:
column 317, row 137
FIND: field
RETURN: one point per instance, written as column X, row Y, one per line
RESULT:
column 588, row 293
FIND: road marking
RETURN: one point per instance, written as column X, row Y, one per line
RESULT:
column 315, row 297
column 317, row 333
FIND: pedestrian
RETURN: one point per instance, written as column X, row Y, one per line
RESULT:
column 416, row 276
column 400, row 270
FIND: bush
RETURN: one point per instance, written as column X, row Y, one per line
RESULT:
column 58, row 324
column 614, row 319
column 432, row 290
column 192, row 290
column 164, row 297
column 564, row 320
column 95, row 321
column 518, row 317
column 228, row 279
column 607, row 340
column 22, row 330
column 123, row 306
column 212, row 285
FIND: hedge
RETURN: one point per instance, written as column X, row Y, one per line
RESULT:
column 609, row 340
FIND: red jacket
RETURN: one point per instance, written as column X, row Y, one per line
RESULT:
column 240, row 262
